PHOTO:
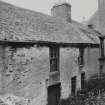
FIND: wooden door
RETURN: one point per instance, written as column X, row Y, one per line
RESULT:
column 54, row 94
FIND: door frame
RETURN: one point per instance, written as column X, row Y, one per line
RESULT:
column 58, row 85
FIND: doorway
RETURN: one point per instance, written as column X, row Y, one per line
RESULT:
column 83, row 80
column 73, row 85
column 54, row 94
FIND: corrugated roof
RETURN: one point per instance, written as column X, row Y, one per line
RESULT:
column 25, row 25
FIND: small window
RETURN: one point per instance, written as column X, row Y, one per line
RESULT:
column 54, row 58
column 81, row 57
column 83, row 80
column 73, row 85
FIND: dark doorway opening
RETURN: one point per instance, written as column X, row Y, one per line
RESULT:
column 54, row 92
column 73, row 85
column 83, row 80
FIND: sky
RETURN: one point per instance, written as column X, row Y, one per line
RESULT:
column 82, row 10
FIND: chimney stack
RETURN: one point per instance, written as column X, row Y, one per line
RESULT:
column 62, row 10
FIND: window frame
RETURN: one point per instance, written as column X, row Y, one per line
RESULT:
column 54, row 58
column 81, row 57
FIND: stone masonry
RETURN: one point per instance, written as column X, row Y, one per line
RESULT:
column 24, row 72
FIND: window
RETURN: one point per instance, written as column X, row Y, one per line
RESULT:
column 73, row 85
column 81, row 57
column 83, row 80
column 101, row 47
column 54, row 58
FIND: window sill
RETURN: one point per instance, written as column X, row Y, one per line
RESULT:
column 54, row 72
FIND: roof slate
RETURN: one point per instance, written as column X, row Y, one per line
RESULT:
column 25, row 25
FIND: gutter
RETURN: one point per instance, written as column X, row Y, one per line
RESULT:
column 15, row 43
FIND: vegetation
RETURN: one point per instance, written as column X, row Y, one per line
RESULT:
column 94, row 93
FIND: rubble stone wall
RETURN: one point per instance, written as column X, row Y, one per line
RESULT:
column 24, row 71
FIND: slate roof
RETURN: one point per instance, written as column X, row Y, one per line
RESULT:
column 18, row 24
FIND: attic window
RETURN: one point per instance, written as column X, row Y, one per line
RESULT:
column 54, row 58
column 90, row 26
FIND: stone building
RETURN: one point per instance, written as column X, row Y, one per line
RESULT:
column 44, row 58
column 98, row 18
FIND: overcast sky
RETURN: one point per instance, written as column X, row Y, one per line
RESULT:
column 80, row 8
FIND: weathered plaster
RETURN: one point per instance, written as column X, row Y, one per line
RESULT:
column 24, row 71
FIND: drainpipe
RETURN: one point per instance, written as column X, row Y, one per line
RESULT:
column 101, row 59
column 102, row 56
